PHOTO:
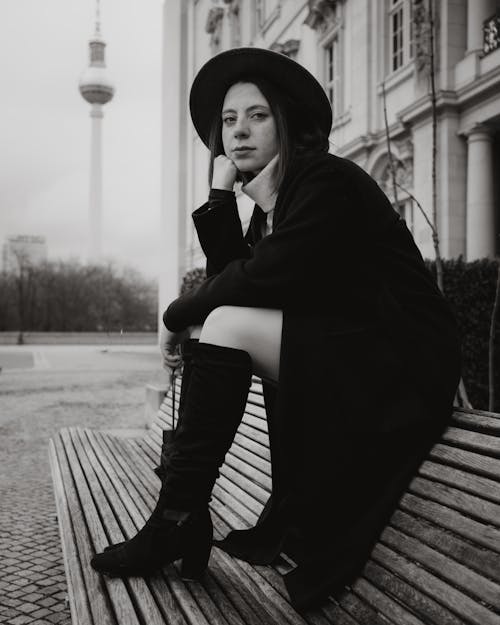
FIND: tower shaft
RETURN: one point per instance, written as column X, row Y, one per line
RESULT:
column 95, row 204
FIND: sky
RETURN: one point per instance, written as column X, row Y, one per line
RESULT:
column 45, row 127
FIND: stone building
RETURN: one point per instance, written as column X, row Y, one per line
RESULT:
column 23, row 250
column 372, row 56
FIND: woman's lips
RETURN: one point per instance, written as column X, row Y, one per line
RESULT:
column 242, row 151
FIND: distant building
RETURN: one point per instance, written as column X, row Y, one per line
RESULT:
column 23, row 249
column 358, row 50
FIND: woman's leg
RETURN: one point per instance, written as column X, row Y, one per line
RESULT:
column 254, row 330
column 180, row 526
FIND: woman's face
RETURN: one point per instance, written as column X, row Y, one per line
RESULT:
column 249, row 133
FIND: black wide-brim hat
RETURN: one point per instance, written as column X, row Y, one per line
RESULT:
column 223, row 70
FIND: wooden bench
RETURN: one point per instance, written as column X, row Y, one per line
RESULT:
column 437, row 563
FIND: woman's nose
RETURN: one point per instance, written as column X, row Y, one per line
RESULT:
column 241, row 129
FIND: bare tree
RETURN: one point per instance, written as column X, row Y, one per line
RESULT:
column 424, row 41
column 25, row 287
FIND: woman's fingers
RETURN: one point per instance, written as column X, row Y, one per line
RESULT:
column 172, row 361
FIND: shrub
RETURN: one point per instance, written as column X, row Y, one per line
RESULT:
column 470, row 289
column 192, row 278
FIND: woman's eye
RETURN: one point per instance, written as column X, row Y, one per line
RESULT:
column 259, row 116
column 228, row 120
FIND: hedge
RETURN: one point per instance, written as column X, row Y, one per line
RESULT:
column 470, row 289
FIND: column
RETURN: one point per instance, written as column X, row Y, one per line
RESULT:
column 173, row 147
column 477, row 12
column 480, row 241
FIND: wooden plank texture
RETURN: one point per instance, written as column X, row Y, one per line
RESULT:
column 437, row 562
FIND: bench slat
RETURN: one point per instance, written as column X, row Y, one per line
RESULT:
column 475, row 507
column 479, row 559
column 473, row 441
column 243, row 612
column 361, row 611
column 453, row 520
column 249, row 474
column 252, row 490
column 115, row 588
column 456, row 601
column 257, row 448
column 488, row 423
column 469, row 482
column 453, row 572
column 467, row 460
column 242, row 505
column 240, row 450
column 384, row 604
column 79, row 604
column 250, row 417
column 402, row 590
column 99, row 473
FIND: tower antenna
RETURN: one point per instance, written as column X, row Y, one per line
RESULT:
column 98, row 18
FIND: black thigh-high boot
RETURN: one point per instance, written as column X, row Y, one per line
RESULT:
column 168, row 435
column 180, row 525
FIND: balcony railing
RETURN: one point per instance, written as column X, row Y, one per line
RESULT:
column 491, row 34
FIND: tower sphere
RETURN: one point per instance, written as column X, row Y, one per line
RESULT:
column 95, row 87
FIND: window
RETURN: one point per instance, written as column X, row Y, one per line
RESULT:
column 332, row 74
column 400, row 33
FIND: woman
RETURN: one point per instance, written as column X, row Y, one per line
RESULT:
column 327, row 298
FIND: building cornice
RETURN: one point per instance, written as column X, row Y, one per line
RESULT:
column 457, row 100
column 358, row 146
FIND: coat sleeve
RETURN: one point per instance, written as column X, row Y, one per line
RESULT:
column 313, row 235
column 219, row 231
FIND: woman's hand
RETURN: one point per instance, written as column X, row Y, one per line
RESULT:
column 225, row 173
column 169, row 347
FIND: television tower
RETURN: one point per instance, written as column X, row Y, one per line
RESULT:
column 96, row 88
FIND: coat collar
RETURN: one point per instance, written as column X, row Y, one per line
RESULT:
column 261, row 188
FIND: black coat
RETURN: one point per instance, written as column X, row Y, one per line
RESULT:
column 370, row 362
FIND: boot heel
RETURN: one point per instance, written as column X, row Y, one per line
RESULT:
column 196, row 557
column 194, row 563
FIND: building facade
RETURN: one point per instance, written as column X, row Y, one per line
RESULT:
column 373, row 59
column 23, row 250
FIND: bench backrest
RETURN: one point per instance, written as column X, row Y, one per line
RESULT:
column 440, row 554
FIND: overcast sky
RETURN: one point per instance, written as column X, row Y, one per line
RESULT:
column 45, row 127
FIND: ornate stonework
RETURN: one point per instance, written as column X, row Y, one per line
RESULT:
column 322, row 14
column 233, row 12
column 213, row 26
column 404, row 177
column 288, row 48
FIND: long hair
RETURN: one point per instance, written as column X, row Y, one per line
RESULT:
column 296, row 132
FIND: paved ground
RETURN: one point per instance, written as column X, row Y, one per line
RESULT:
column 41, row 390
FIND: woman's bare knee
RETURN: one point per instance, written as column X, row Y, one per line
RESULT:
column 255, row 330
column 221, row 327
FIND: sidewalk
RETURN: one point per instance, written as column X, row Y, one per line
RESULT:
column 41, row 390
